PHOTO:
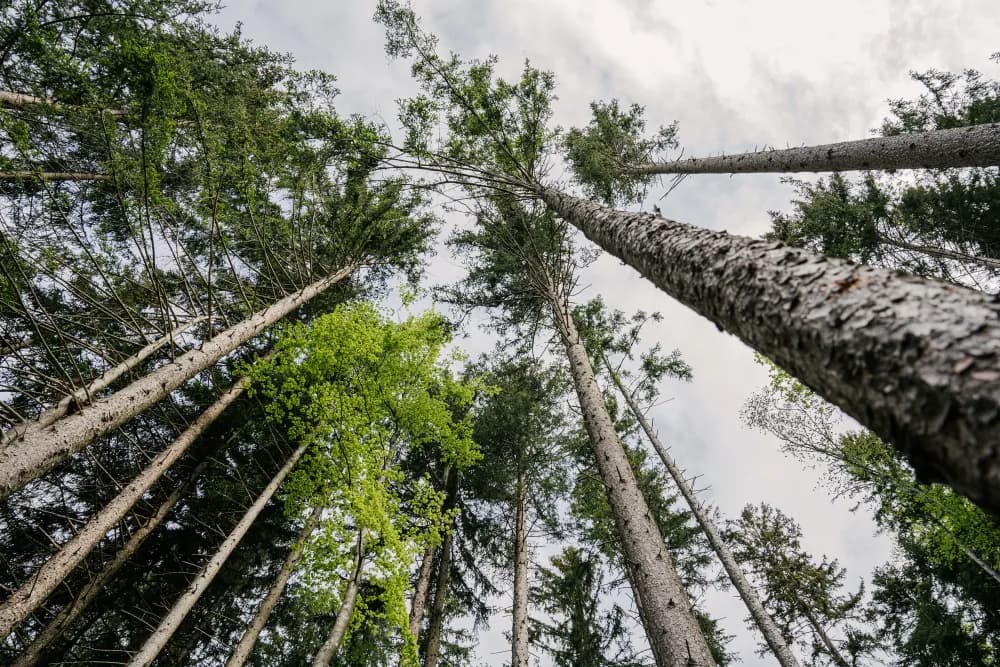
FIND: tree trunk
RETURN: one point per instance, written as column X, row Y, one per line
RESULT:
column 419, row 603
column 20, row 100
column 941, row 253
column 69, row 614
column 973, row 146
column 169, row 624
column 33, row 592
column 36, row 453
column 831, row 648
column 245, row 647
column 914, row 360
column 52, row 176
column 519, row 613
column 670, row 623
column 84, row 395
column 436, row 625
column 350, row 601
column 766, row 625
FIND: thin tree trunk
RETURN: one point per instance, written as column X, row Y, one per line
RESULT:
column 21, row 100
column 52, row 176
column 436, row 626
column 766, row 625
column 245, row 646
column 169, row 624
column 973, row 146
column 519, row 613
column 914, row 360
column 47, row 578
column 85, row 394
column 69, row 614
column 347, row 606
column 670, row 623
column 941, row 253
column 831, row 648
column 419, row 603
column 36, row 453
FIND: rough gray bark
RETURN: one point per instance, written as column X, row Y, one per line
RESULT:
column 419, row 603
column 973, row 146
column 772, row 633
column 69, row 614
column 917, row 361
column 347, row 606
column 519, row 612
column 169, row 624
column 52, row 176
column 245, row 646
column 22, row 602
column 667, row 613
column 831, row 648
column 436, row 625
column 36, row 453
column 85, row 394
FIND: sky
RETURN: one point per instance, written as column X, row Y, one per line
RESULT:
column 736, row 75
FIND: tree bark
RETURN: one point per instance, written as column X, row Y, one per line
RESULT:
column 519, row 613
column 419, row 603
column 21, row 100
column 245, row 646
column 52, row 176
column 84, row 395
column 668, row 616
column 47, row 578
column 169, row 624
column 347, row 606
column 436, row 626
column 973, row 146
column 36, row 453
column 916, row 361
column 766, row 625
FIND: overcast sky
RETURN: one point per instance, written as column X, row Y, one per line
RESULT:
column 736, row 74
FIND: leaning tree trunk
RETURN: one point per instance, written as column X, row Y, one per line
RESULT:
column 436, row 626
column 917, row 361
column 245, row 646
column 824, row 638
column 37, row 452
column 772, row 633
column 20, row 604
column 423, row 586
column 519, row 612
column 9, row 98
column 668, row 616
column 169, row 624
column 84, row 395
column 989, row 263
column 72, row 611
column 329, row 648
column 973, row 146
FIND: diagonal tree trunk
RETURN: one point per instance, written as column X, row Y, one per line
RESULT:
column 84, row 395
column 519, row 613
column 831, row 648
column 772, row 633
column 52, row 176
column 20, row 604
column 973, row 146
column 419, row 603
column 329, row 648
column 245, row 646
column 169, row 624
column 436, row 626
column 990, row 263
column 916, row 361
column 36, row 453
column 667, row 613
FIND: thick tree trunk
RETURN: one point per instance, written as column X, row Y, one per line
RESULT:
column 245, row 646
column 831, row 648
column 36, row 453
column 519, row 613
column 169, row 624
column 423, row 586
column 52, row 176
column 766, row 625
column 973, row 146
column 329, row 648
column 68, row 615
column 33, row 592
column 670, row 623
column 436, row 626
column 84, row 395
column 917, row 361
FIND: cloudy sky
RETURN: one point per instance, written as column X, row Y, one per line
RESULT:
column 736, row 74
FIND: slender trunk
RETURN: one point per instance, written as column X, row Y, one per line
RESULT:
column 69, row 614
column 914, row 360
column 21, row 100
column 270, row 601
column 346, row 612
column 831, row 648
column 668, row 616
column 169, row 624
column 422, row 588
column 766, row 625
column 941, row 253
column 36, row 453
column 84, row 395
column 519, row 613
column 47, row 578
column 973, row 146
column 436, row 626
column 52, row 176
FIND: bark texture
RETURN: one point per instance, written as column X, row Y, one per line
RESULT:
column 519, row 613
column 973, row 146
column 169, row 624
column 245, row 646
column 667, row 613
column 33, row 592
column 917, row 361
column 329, row 648
column 772, row 633
column 36, row 453
column 423, row 586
